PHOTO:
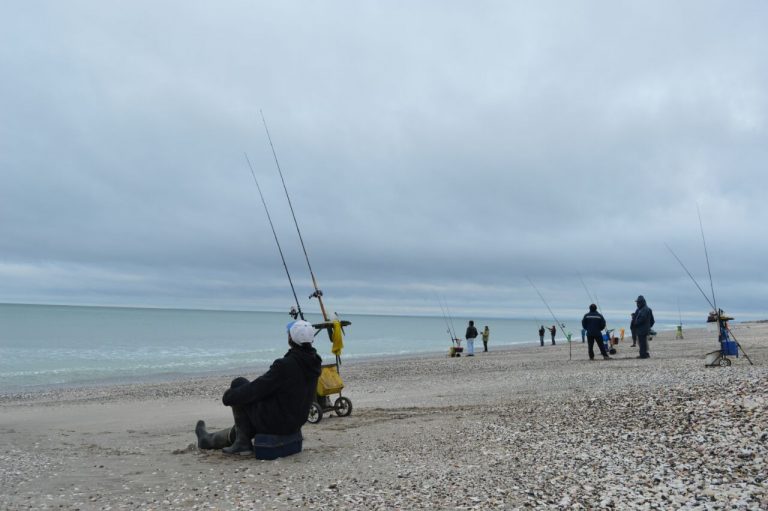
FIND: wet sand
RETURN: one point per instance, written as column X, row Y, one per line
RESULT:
column 515, row 428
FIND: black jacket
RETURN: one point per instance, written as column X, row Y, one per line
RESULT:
column 643, row 318
column 593, row 323
column 471, row 332
column 278, row 401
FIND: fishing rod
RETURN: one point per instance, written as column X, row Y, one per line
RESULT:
column 712, row 288
column 709, row 270
column 594, row 300
column 689, row 274
column 450, row 317
column 318, row 293
column 589, row 295
column 447, row 325
column 710, row 302
column 269, row 217
column 562, row 326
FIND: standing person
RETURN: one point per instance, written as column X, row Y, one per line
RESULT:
column 583, row 335
column 275, row 403
column 553, row 331
column 486, row 336
column 471, row 335
column 642, row 323
column 541, row 335
column 594, row 322
column 632, row 330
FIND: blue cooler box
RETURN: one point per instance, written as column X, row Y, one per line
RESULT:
column 730, row 348
column 271, row 447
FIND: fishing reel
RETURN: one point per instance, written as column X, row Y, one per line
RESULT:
column 317, row 294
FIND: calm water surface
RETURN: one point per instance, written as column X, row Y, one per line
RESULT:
column 62, row 345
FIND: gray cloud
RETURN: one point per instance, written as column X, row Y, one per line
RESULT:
column 433, row 149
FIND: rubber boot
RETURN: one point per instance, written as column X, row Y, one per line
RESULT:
column 217, row 440
column 242, row 444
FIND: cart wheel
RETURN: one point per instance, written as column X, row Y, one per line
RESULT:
column 342, row 407
column 315, row 413
column 725, row 362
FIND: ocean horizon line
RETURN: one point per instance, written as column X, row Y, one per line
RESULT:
column 570, row 315
column 267, row 311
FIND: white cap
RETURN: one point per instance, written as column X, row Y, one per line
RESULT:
column 301, row 332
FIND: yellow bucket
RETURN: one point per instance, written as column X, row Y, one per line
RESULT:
column 330, row 381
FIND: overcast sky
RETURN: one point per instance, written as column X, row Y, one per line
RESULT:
column 431, row 149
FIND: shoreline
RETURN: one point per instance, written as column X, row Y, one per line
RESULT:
column 100, row 386
column 169, row 378
column 522, row 427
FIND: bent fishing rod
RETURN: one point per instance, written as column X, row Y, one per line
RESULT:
column 561, row 325
column 269, row 217
column 318, row 293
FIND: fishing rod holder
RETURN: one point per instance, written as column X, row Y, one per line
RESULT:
column 729, row 346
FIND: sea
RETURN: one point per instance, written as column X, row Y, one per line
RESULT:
column 43, row 346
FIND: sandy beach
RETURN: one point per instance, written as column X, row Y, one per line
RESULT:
column 514, row 428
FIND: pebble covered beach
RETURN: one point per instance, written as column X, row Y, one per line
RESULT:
column 509, row 429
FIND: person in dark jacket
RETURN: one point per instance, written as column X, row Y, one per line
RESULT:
column 594, row 323
column 471, row 335
column 642, row 323
column 541, row 335
column 553, row 332
column 275, row 403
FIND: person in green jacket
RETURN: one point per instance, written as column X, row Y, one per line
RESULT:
column 486, row 336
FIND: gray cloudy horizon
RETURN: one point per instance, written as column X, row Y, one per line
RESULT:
column 432, row 150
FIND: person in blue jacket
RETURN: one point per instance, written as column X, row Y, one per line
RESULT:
column 594, row 322
column 642, row 323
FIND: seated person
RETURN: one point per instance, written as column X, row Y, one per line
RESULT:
column 275, row 403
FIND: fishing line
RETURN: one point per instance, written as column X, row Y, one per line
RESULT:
column 269, row 217
column 317, row 294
